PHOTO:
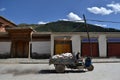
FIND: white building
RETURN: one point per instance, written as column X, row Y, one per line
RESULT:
column 104, row 44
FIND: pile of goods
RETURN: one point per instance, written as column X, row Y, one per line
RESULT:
column 64, row 57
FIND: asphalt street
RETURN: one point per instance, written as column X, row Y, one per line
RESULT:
column 102, row 71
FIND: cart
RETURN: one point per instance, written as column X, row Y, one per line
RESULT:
column 61, row 63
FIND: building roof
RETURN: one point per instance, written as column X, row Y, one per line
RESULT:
column 8, row 20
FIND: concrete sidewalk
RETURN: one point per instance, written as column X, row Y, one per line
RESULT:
column 46, row 61
column 106, row 60
column 23, row 61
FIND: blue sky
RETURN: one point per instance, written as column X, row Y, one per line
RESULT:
column 44, row 11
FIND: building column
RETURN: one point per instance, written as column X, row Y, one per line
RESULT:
column 29, row 55
column 102, row 46
column 52, row 45
column 76, row 43
column 30, row 45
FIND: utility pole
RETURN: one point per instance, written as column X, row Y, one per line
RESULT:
column 90, row 44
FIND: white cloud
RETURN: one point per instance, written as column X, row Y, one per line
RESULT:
column 41, row 22
column 2, row 9
column 115, row 7
column 63, row 19
column 101, row 10
column 102, row 25
column 73, row 17
column 70, row 17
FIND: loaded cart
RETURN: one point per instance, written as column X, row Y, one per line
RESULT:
column 68, row 60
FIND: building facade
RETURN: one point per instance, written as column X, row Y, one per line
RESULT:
column 21, row 42
column 102, row 44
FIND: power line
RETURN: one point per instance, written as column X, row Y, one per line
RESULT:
column 102, row 21
column 97, row 21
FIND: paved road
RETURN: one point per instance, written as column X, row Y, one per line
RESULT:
column 102, row 71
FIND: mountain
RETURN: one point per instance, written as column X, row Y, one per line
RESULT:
column 67, row 26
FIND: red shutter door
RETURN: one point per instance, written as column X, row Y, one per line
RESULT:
column 113, row 49
column 87, row 52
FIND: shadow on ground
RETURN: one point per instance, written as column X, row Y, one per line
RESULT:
column 17, row 72
column 47, row 71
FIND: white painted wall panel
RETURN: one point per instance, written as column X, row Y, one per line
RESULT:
column 5, row 47
column 102, row 46
column 41, row 47
column 76, row 43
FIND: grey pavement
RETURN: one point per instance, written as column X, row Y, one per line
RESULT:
column 24, row 61
column 102, row 71
column 106, row 60
column 46, row 61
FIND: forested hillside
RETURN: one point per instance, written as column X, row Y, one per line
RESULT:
column 67, row 26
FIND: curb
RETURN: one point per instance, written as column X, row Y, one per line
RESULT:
column 46, row 61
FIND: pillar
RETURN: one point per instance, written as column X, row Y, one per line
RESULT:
column 102, row 46
column 76, row 43
column 52, row 45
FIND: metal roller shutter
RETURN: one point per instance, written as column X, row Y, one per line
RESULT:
column 86, row 50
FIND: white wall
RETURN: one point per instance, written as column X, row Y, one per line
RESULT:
column 76, row 43
column 52, row 45
column 5, row 47
column 102, row 46
column 41, row 47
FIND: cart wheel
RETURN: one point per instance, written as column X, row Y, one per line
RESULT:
column 90, row 68
column 60, row 68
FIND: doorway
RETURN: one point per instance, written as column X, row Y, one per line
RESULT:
column 62, row 46
column 20, row 49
